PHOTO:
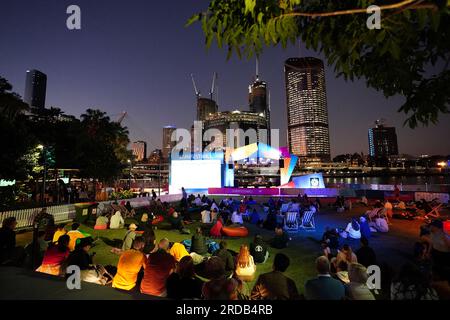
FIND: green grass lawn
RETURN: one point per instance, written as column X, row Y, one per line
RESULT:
column 302, row 252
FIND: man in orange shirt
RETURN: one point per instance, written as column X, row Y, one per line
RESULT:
column 74, row 235
column 159, row 266
column 130, row 264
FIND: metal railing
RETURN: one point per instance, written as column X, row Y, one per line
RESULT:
column 25, row 217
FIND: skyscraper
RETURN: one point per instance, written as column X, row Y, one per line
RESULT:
column 257, row 99
column 35, row 88
column 382, row 141
column 205, row 107
column 307, row 113
column 167, row 143
column 140, row 150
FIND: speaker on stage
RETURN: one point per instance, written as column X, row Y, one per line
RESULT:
column 230, row 166
column 281, row 163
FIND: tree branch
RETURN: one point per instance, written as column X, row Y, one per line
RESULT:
column 400, row 5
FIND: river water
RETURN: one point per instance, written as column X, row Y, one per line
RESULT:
column 410, row 180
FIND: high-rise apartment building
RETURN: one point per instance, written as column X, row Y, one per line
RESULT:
column 139, row 150
column 307, row 113
column 382, row 141
column 35, row 88
column 167, row 143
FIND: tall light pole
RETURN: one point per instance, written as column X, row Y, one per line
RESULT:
column 42, row 147
column 159, row 176
column 129, row 175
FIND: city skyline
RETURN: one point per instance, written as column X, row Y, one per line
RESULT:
column 119, row 62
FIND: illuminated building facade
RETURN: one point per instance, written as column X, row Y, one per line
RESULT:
column 139, row 150
column 307, row 113
column 237, row 120
column 167, row 143
column 382, row 141
column 258, row 102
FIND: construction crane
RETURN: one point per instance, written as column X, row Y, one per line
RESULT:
column 197, row 93
column 121, row 117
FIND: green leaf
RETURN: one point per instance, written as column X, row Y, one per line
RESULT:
column 193, row 19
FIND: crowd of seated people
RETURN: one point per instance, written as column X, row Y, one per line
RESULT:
column 169, row 269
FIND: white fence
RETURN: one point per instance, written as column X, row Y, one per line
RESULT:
column 25, row 217
column 66, row 213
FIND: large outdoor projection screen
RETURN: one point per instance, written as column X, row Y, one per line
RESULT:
column 195, row 174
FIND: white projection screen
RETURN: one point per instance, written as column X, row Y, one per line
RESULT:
column 195, row 174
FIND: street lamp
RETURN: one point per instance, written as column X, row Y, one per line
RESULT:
column 42, row 148
column 129, row 175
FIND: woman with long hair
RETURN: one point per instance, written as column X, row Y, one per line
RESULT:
column 184, row 284
column 55, row 257
column 245, row 266
column 346, row 254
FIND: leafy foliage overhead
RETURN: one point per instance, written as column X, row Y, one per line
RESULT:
column 408, row 56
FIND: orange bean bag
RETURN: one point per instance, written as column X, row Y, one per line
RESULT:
column 235, row 231
column 101, row 227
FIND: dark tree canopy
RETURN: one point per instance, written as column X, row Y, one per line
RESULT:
column 408, row 56
column 95, row 145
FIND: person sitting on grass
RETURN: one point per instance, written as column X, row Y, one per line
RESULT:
column 158, row 268
column 258, row 250
column 324, row 287
column 40, row 246
column 101, row 222
column 55, row 257
column 411, row 284
column 331, row 237
column 271, row 221
column 117, row 221
column 365, row 255
column 74, row 235
column 60, row 231
column 281, row 239
column 353, row 230
column 379, row 224
column 245, row 265
column 80, row 256
column 216, row 230
column 9, row 253
column 183, row 284
column 357, row 288
column 226, row 256
column 364, row 227
column 130, row 264
column 236, row 218
column 219, row 286
column 255, row 218
column 176, row 221
column 198, row 243
column 178, row 251
column 346, row 255
column 275, row 285
column 149, row 239
column 341, row 272
column 129, row 237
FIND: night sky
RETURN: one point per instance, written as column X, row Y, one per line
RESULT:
column 137, row 56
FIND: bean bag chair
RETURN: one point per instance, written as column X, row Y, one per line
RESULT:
column 235, row 231
column 101, row 227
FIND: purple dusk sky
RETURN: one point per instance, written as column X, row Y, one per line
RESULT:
column 138, row 56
